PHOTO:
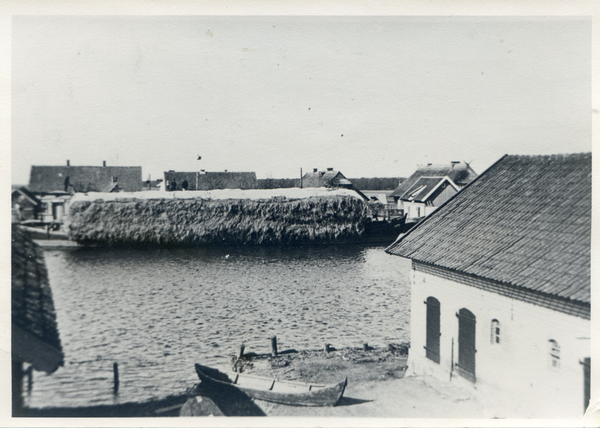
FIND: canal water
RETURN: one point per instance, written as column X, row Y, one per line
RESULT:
column 156, row 312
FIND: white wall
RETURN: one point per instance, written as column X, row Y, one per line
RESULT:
column 514, row 378
column 411, row 209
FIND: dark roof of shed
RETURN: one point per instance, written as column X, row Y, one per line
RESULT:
column 84, row 178
column 422, row 188
column 32, row 306
column 526, row 221
column 460, row 173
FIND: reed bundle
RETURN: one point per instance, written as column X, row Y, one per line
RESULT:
column 227, row 221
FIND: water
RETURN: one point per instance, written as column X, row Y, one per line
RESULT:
column 158, row 311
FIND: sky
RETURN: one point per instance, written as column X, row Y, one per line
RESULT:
column 369, row 96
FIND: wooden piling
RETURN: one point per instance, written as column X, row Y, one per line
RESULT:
column 241, row 352
column 29, row 372
column 116, row 378
column 274, row 346
column 365, row 346
column 327, row 347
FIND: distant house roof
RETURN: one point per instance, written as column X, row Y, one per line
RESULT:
column 424, row 187
column 22, row 191
column 213, row 180
column 526, row 221
column 459, row 172
column 329, row 178
column 84, row 178
column 35, row 336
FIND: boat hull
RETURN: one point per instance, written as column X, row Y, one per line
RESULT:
column 282, row 392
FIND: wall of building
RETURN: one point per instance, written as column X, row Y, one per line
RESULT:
column 415, row 210
column 515, row 378
column 443, row 194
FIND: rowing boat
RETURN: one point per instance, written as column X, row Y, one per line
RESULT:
column 276, row 391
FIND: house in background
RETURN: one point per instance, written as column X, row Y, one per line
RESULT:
column 459, row 173
column 426, row 195
column 500, row 294
column 329, row 179
column 54, row 185
column 74, row 179
column 207, row 180
column 34, row 332
column 25, row 205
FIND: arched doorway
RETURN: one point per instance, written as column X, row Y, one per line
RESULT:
column 466, row 344
column 432, row 344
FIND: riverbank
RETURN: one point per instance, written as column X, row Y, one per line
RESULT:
column 377, row 388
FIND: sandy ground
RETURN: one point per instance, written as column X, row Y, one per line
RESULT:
column 377, row 387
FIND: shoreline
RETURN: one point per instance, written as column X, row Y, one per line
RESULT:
column 361, row 367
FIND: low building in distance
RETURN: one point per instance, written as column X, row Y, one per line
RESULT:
column 430, row 186
column 500, row 295
column 208, row 180
column 329, row 179
column 54, row 185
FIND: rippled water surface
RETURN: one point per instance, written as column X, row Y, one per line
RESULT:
column 158, row 311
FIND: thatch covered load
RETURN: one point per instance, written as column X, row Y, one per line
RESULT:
column 200, row 221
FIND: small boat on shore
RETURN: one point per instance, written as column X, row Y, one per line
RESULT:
column 276, row 391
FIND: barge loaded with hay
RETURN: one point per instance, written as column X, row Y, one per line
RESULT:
column 223, row 217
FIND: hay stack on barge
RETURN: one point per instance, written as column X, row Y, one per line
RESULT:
column 218, row 217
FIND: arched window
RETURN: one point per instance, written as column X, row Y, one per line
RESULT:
column 554, row 353
column 495, row 333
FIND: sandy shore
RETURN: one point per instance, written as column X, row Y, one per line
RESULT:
column 377, row 387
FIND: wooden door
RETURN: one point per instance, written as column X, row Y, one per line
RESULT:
column 432, row 347
column 466, row 344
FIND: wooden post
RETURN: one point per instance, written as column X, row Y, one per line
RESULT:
column 241, row 353
column 274, row 346
column 365, row 346
column 29, row 372
column 116, row 378
column 17, row 388
column 327, row 348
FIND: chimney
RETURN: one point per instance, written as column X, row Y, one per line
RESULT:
column 68, row 162
column 103, row 163
column 329, row 169
column 314, row 169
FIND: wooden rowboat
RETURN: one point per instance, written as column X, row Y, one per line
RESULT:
column 276, row 391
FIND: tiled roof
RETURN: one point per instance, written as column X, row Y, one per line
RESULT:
column 84, row 178
column 32, row 305
column 526, row 221
column 460, row 173
column 423, row 188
